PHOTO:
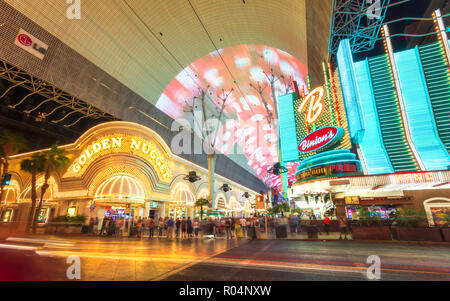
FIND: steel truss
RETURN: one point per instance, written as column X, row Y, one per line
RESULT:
column 359, row 21
column 51, row 94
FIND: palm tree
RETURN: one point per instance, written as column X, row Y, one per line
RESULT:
column 200, row 203
column 54, row 159
column 35, row 166
column 281, row 208
column 10, row 144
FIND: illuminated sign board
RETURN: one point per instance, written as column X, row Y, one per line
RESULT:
column 31, row 44
column 314, row 98
column 330, row 170
column 414, row 178
column 319, row 122
column 122, row 144
column 320, row 138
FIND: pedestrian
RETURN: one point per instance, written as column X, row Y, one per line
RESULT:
column 343, row 223
column 228, row 228
column 145, row 229
column 183, row 228
column 326, row 223
column 170, row 224
column 233, row 228
column 238, row 229
column 160, row 226
column 189, row 227
column 295, row 223
column 177, row 228
column 244, row 226
column 196, row 227
column 120, row 227
column 139, row 228
column 151, row 227
column 101, row 226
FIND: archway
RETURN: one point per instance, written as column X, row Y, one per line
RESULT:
column 49, row 202
column 183, row 201
column 120, row 196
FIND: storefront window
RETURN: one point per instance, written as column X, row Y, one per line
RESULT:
column 7, row 215
column 42, row 217
column 441, row 215
column 383, row 212
column 72, row 211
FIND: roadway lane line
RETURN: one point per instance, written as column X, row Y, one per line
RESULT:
column 168, row 274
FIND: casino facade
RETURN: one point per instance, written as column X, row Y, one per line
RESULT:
column 120, row 169
column 375, row 135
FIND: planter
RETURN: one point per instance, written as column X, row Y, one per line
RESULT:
column 371, row 233
column 63, row 228
column 446, row 234
column 418, row 234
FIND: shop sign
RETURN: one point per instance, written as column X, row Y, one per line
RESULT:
column 338, row 169
column 352, row 200
column 31, row 44
column 320, row 138
column 414, row 178
column 120, row 144
column 339, row 182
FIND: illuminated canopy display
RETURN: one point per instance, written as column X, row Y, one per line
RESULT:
column 246, row 113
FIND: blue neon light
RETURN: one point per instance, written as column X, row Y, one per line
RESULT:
column 287, row 129
column 349, row 91
column 418, row 111
column 376, row 159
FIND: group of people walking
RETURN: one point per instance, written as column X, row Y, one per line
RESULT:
column 187, row 228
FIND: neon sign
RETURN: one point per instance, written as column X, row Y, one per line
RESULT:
column 320, row 138
column 118, row 144
column 315, row 104
column 414, row 177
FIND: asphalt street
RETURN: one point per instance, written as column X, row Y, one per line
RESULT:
column 110, row 259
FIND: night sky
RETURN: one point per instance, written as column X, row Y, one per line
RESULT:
column 413, row 8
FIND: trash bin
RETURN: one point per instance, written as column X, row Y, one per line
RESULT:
column 281, row 231
column 251, row 232
column 313, row 232
column 85, row 229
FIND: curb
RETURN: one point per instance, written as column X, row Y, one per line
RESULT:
column 441, row 243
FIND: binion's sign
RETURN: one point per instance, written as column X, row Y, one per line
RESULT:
column 320, row 138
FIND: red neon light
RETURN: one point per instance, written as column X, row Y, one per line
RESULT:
column 336, row 105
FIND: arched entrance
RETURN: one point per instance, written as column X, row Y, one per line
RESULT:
column 8, row 202
column 437, row 210
column 49, row 202
column 120, row 197
column 183, row 202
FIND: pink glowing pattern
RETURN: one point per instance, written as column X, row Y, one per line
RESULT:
column 246, row 122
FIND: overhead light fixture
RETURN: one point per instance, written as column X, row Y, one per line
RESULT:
column 277, row 169
column 225, row 188
column 192, row 177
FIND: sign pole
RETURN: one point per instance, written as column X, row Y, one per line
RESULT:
column 265, row 217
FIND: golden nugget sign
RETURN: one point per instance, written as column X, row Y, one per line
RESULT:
column 118, row 144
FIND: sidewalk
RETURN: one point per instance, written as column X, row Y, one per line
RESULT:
column 304, row 236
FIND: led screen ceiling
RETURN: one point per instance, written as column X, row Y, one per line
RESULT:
column 245, row 123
